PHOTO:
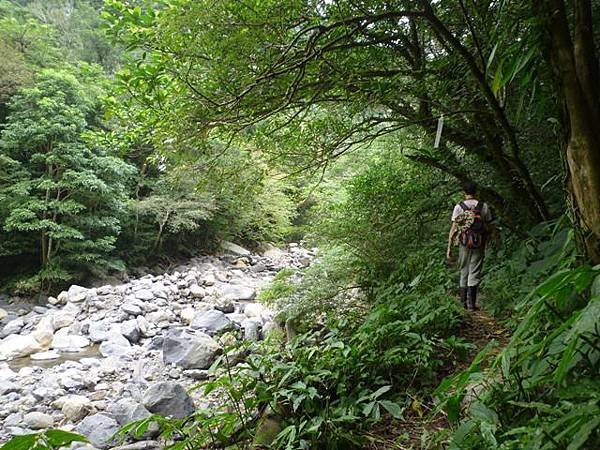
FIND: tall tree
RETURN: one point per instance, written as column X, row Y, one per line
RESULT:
column 573, row 56
column 58, row 190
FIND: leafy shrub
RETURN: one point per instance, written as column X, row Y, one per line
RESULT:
column 549, row 246
column 330, row 289
column 388, row 215
column 330, row 384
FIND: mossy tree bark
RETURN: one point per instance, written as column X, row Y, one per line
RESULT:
column 573, row 58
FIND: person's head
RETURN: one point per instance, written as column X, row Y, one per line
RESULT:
column 469, row 188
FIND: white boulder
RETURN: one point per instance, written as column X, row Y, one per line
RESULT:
column 16, row 346
column 37, row 420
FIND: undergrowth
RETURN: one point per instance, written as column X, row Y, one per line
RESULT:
column 543, row 390
column 331, row 383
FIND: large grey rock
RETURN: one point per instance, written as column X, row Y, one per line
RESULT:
column 190, row 351
column 211, row 322
column 197, row 291
column 144, row 294
column 46, row 323
column 237, row 318
column 130, row 330
column 6, row 373
column 187, row 315
column 75, row 379
column 131, row 308
column 224, row 305
column 254, row 310
column 45, row 393
column 257, row 268
column 15, row 346
column 230, row 247
column 209, row 279
column 127, row 410
column 69, row 342
column 6, row 387
column 99, row 331
column 160, row 316
column 62, row 319
column 77, row 294
column 116, row 345
column 168, row 399
column 37, row 420
column 44, row 356
column 99, row 429
column 143, row 325
column 12, row 420
column 76, row 407
column 238, row 293
column 272, row 252
column 44, row 338
column 252, row 329
column 14, row 326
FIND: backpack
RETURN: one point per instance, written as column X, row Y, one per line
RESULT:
column 473, row 233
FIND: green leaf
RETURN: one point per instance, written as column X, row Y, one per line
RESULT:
column 487, row 432
column 462, row 432
column 24, row 442
column 582, row 435
column 478, row 410
column 368, row 408
column 60, row 438
column 452, row 408
column 567, row 361
column 491, row 57
column 595, row 289
column 379, row 392
column 393, row 408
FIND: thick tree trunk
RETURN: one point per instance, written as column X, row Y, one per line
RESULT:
column 575, row 67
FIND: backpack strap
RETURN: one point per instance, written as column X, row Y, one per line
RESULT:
column 464, row 206
column 479, row 207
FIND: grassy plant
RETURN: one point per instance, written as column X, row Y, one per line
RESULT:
column 541, row 391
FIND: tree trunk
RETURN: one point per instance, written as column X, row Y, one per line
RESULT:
column 161, row 227
column 45, row 240
column 575, row 66
column 44, row 248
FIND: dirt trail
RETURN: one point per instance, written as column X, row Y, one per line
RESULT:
column 479, row 329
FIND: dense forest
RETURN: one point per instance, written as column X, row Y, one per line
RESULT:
column 139, row 133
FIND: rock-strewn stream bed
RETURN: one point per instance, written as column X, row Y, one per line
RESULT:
column 95, row 359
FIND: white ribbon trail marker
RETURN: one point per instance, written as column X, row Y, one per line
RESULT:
column 438, row 133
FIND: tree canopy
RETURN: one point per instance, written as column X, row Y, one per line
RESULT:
column 139, row 133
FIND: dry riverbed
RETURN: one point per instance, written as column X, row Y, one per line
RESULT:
column 94, row 359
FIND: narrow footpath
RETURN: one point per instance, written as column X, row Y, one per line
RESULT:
column 478, row 329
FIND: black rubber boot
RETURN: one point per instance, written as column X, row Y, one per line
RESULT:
column 473, row 298
column 463, row 297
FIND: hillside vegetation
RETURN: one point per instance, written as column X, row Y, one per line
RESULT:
column 135, row 132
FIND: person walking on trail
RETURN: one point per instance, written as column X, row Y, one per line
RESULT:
column 471, row 222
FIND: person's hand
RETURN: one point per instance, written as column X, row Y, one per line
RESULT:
column 449, row 253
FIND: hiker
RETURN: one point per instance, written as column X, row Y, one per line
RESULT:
column 471, row 223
